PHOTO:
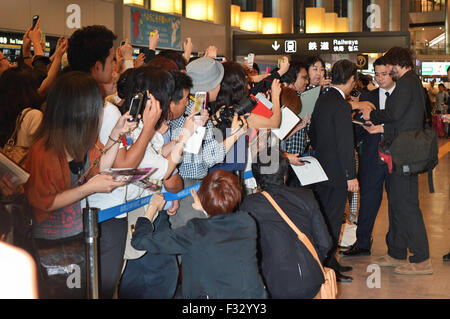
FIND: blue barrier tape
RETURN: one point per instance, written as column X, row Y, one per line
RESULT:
column 112, row 212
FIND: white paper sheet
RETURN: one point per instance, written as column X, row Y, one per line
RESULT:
column 309, row 99
column 310, row 173
column 194, row 143
column 288, row 120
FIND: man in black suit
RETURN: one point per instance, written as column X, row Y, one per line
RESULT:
column 332, row 138
column 404, row 111
column 372, row 172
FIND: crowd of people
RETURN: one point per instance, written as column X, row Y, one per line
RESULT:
column 78, row 124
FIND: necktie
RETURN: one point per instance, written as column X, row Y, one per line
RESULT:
column 387, row 96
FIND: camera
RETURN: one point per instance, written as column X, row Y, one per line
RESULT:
column 355, row 93
column 224, row 117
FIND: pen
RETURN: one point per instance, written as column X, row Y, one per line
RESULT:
column 305, row 161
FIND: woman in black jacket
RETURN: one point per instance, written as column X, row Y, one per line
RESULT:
column 288, row 268
column 219, row 252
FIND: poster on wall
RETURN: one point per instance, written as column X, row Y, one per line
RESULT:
column 145, row 21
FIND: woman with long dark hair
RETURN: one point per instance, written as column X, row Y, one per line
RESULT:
column 63, row 164
column 19, row 102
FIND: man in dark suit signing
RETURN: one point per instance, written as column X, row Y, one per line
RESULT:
column 332, row 138
column 405, row 111
column 372, row 173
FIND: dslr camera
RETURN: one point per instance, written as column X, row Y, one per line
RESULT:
column 223, row 118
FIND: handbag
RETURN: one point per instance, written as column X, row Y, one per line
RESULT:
column 329, row 287
column 130, row 252
column 17, row 153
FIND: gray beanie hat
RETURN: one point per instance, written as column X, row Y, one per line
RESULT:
column 206, row 74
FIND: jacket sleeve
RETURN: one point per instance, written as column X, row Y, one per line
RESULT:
column 147, row 237
column 399, row 103
column 264, row 85
column 344, row 139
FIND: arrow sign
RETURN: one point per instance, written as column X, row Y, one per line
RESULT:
column 275, row 45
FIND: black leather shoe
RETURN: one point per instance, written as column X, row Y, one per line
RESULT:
column 356, row 251
column 343, row 278
column 345, row 268
column 446, row 257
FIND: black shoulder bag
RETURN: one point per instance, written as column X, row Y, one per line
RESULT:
column 414, row 152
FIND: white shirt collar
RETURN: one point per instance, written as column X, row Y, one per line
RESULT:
column 340, row 91
column 390, row 90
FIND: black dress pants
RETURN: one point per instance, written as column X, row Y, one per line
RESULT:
column 332, row 203
column 406, row 226
column 371, row 193
column 113, row 235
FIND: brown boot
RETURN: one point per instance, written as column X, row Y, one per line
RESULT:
column 388, row 261
column 423, row 268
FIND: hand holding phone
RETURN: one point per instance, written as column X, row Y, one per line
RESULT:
column 250, row 60
column 135, row 107
column 35, row 20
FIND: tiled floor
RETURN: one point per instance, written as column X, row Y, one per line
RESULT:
column 436, row 211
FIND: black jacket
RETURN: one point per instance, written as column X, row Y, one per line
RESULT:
column 219, row 255
column 288, row 268
column 368, row 156
column 405, row 108
column 332, row 138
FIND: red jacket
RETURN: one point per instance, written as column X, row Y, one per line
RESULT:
column 49, row 176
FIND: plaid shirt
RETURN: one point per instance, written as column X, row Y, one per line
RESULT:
column 195, row 166
column 296, row 144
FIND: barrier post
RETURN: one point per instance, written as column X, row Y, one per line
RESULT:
column 90, row 226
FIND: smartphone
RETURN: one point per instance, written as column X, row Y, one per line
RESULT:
column 152, row 33
column 35, row 20
column 200, row 101
column 250, row 60
column 122, row 43
column 280, row 60
column 221, row 59
column 328, row 70
column 135, row 107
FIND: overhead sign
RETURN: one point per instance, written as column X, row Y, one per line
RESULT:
column 435, row 68
column 145, row 21
column 319, row 43
column 362, row 61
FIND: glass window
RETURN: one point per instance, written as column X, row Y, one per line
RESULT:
column 426, row 5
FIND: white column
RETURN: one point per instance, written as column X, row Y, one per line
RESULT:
column 447, row 27
column 395, row 15
column 222, row 15
column 284, row 9
column 355, row 15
